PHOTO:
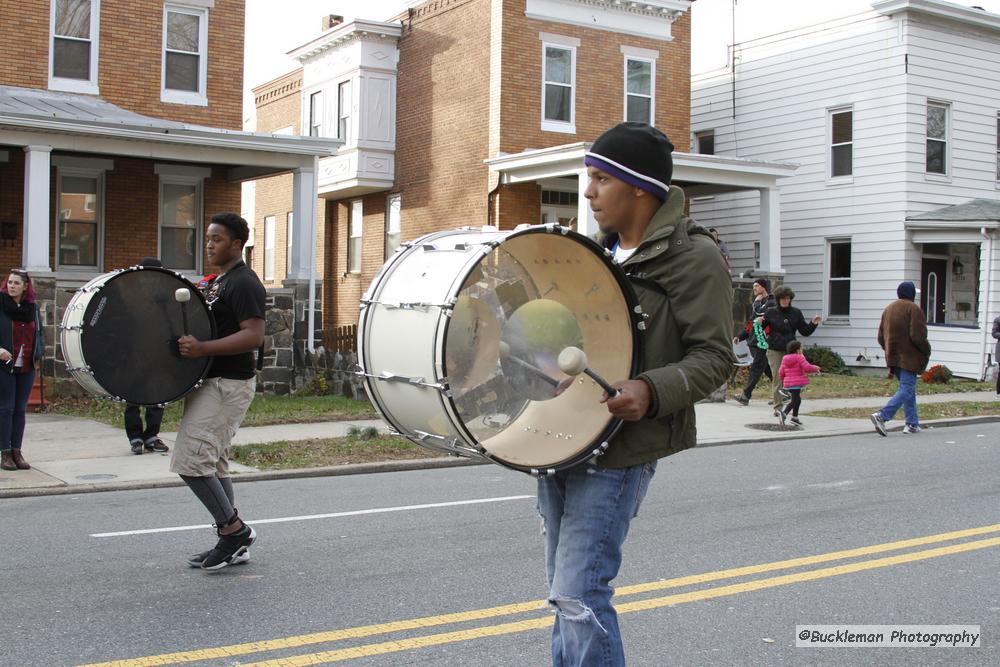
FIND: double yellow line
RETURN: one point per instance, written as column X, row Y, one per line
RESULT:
column 535, row 623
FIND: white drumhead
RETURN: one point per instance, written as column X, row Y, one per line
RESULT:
column 475, row 368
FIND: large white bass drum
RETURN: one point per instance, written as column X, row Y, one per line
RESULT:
column 460, row 334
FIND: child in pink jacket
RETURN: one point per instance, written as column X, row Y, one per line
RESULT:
column 793, row 373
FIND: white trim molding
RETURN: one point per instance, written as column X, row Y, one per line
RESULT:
column 940, row 9
column 636, row 52
column 649, row 18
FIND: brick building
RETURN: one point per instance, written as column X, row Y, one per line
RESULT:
column 474, row 112
column 120, row 138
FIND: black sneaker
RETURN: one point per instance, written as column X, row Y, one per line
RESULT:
column 741, row 399
column 197, row 559
column 136, row 446
column 156, row 445
column 228, row 548
column 796, row 421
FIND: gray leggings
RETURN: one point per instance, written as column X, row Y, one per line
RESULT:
column 216, row 494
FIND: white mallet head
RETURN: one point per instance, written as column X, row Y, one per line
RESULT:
column 182, row 295
column 572, row 360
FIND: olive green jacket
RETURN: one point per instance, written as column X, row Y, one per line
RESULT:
column 684, row 288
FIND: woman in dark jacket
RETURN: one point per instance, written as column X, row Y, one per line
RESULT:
column 21, row 350
column 784, row 321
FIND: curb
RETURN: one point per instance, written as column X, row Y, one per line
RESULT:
column 419, row 464
column 262, row 476
column 792, row 435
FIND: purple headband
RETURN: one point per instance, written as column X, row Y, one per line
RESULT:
column 621, row 172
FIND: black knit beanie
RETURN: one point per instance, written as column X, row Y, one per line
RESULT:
column 906, row 290
column 636, row 153
column 763, row 282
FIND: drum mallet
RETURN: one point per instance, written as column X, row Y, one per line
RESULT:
column 573, row 361
column 182, row 295
column 534, row 370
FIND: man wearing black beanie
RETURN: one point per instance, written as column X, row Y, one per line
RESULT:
column 686, row 294
column 902, row 333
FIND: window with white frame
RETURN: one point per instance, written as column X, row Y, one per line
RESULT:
column 839, row 282
column 393, row 208
column 75, row 27
column 80, row 219
column 343, row 110
column 558, row 87
column 639, row 90
column 185, row 55
column 316, row 114
column 841, row 142
column 937, row 138
column 354, row 237
column 288, row 242
column 180, row 215
column 268, row 247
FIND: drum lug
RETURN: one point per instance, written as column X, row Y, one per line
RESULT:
column 641, row 326
column 599, row 451
column 80, row 369
column 547, row 472
column 72, row 327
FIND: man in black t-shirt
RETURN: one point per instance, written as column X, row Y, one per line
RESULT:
column 214, row 411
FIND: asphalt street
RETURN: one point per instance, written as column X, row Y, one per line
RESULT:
column 445, row 567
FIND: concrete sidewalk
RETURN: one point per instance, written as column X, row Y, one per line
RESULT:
column 71, row 455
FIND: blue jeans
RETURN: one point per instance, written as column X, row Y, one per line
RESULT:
column 586, row 511
column 905, row 397
column 15, row 388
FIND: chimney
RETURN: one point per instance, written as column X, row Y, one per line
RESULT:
column 331, row 20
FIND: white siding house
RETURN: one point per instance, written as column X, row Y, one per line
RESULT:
column 891, row 115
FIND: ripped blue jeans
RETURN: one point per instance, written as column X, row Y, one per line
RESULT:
column 586, row 511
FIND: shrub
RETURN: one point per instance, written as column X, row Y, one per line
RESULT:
column 826, row 359
column 937, row 374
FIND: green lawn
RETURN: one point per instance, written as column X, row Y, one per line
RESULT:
column 925, row 411
column 855, row 386
column 264, row 410
column 328, row 452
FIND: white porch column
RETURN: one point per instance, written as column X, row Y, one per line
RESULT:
column 585, row 222
column 35, row 244
column 304, row 223
column 770, row 231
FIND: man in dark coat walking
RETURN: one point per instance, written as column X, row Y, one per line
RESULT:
column 902, row 333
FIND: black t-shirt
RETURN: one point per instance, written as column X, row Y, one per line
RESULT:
column 236, row 296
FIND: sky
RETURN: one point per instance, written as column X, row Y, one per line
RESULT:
column 274, row 27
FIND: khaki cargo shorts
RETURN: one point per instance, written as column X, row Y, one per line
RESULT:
column 212, row 414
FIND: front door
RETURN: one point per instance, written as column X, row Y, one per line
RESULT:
column 934, row 289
